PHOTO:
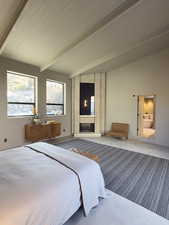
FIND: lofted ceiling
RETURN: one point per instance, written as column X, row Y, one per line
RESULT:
column 77, row 36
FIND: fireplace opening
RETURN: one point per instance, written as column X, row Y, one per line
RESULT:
column 87, row 127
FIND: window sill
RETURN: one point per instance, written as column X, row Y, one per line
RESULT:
column 49, row 116
column 19, row 117
column 31, row 117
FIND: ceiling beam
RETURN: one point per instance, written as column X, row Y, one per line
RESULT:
column 115, row 13
column 11, row 25
column 155, row 37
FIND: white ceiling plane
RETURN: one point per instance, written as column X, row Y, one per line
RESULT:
column 77, row 36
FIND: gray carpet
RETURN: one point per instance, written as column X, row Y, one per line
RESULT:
column 140, row 178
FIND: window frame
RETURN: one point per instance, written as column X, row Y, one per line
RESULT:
column 57, row 104
column 34, row 104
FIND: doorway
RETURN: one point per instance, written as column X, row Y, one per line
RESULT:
column 146, row 115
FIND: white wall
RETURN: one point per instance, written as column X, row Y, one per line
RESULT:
column 13, row 128
column 150, row 75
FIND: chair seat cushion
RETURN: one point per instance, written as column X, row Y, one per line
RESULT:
column 118, row 133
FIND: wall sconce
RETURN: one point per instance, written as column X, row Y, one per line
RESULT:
column 85, row 103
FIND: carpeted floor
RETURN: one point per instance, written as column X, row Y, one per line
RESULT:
column 140, row 178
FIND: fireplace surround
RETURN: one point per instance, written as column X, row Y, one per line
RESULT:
column 88, row 105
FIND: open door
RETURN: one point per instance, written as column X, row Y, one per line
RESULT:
column 146, row 116
column 140, row 115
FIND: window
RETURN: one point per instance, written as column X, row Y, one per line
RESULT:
column 54, row 98
column 92, row 109
column 20, row 94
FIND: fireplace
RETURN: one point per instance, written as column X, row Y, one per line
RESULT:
column 87, row 127
column 88, row 100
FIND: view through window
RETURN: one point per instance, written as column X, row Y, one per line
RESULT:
column 54, row 98
column 20, row 94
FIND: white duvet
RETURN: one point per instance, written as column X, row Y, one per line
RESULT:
column 38, row 190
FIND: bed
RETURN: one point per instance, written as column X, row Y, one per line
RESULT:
column 44, row 184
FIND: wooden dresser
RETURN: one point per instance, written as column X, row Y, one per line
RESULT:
column 37, row 132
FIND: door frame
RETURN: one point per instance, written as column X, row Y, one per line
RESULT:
column 140, row 112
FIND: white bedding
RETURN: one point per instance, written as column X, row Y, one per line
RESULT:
column 37, row 190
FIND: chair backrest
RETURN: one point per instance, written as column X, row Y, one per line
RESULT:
column 124, row 127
